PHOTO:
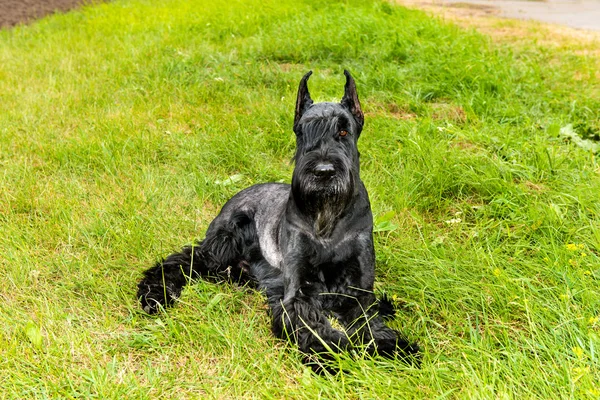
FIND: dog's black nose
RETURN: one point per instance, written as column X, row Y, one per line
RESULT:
column 324, row 169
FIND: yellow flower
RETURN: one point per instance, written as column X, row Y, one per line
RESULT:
column 571, row 246
column 572, row 262
column 578, row 351
column 593, row 320
column 581, row 370
column 583, row 254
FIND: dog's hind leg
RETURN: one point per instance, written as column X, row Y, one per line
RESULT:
column 225, row 254
column 269, row 280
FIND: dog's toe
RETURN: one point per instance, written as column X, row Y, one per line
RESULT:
column 399, row 348
column 409, row 352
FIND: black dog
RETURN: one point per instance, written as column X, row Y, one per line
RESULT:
column 308, row 245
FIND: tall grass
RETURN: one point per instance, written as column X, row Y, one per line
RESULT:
column 121, row 123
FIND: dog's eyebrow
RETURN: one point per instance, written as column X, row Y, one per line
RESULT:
column 322, row 123
column 342, row 122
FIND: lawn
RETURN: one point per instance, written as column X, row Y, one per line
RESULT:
column 124, row 127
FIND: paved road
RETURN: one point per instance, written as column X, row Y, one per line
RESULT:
column 582, row 14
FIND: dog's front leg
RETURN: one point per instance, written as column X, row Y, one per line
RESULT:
column 299, row 316
column 363, row 322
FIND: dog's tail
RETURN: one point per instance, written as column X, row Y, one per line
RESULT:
column 163, row 283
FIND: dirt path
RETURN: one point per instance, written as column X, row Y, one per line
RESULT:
column 13, row 12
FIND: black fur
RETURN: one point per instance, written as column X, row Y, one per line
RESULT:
column 308, row 245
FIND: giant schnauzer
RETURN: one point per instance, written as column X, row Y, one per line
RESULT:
column 308, row 246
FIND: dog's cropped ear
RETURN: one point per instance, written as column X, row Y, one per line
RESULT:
column 303, row 101
column 350, row 99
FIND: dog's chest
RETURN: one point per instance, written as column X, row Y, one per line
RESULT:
column 322, row 252
column 270, row 249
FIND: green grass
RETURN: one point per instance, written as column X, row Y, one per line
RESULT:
column 120, row 122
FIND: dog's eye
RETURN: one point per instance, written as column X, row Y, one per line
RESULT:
column 343, row 132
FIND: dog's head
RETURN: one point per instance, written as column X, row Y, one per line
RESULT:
column 327, row 158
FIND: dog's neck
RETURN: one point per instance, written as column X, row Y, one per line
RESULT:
column 321, row 211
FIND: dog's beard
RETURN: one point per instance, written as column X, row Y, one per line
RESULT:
column 323, row 199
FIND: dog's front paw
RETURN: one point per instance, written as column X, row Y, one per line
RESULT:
column 399, row 348
column 154, row 297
